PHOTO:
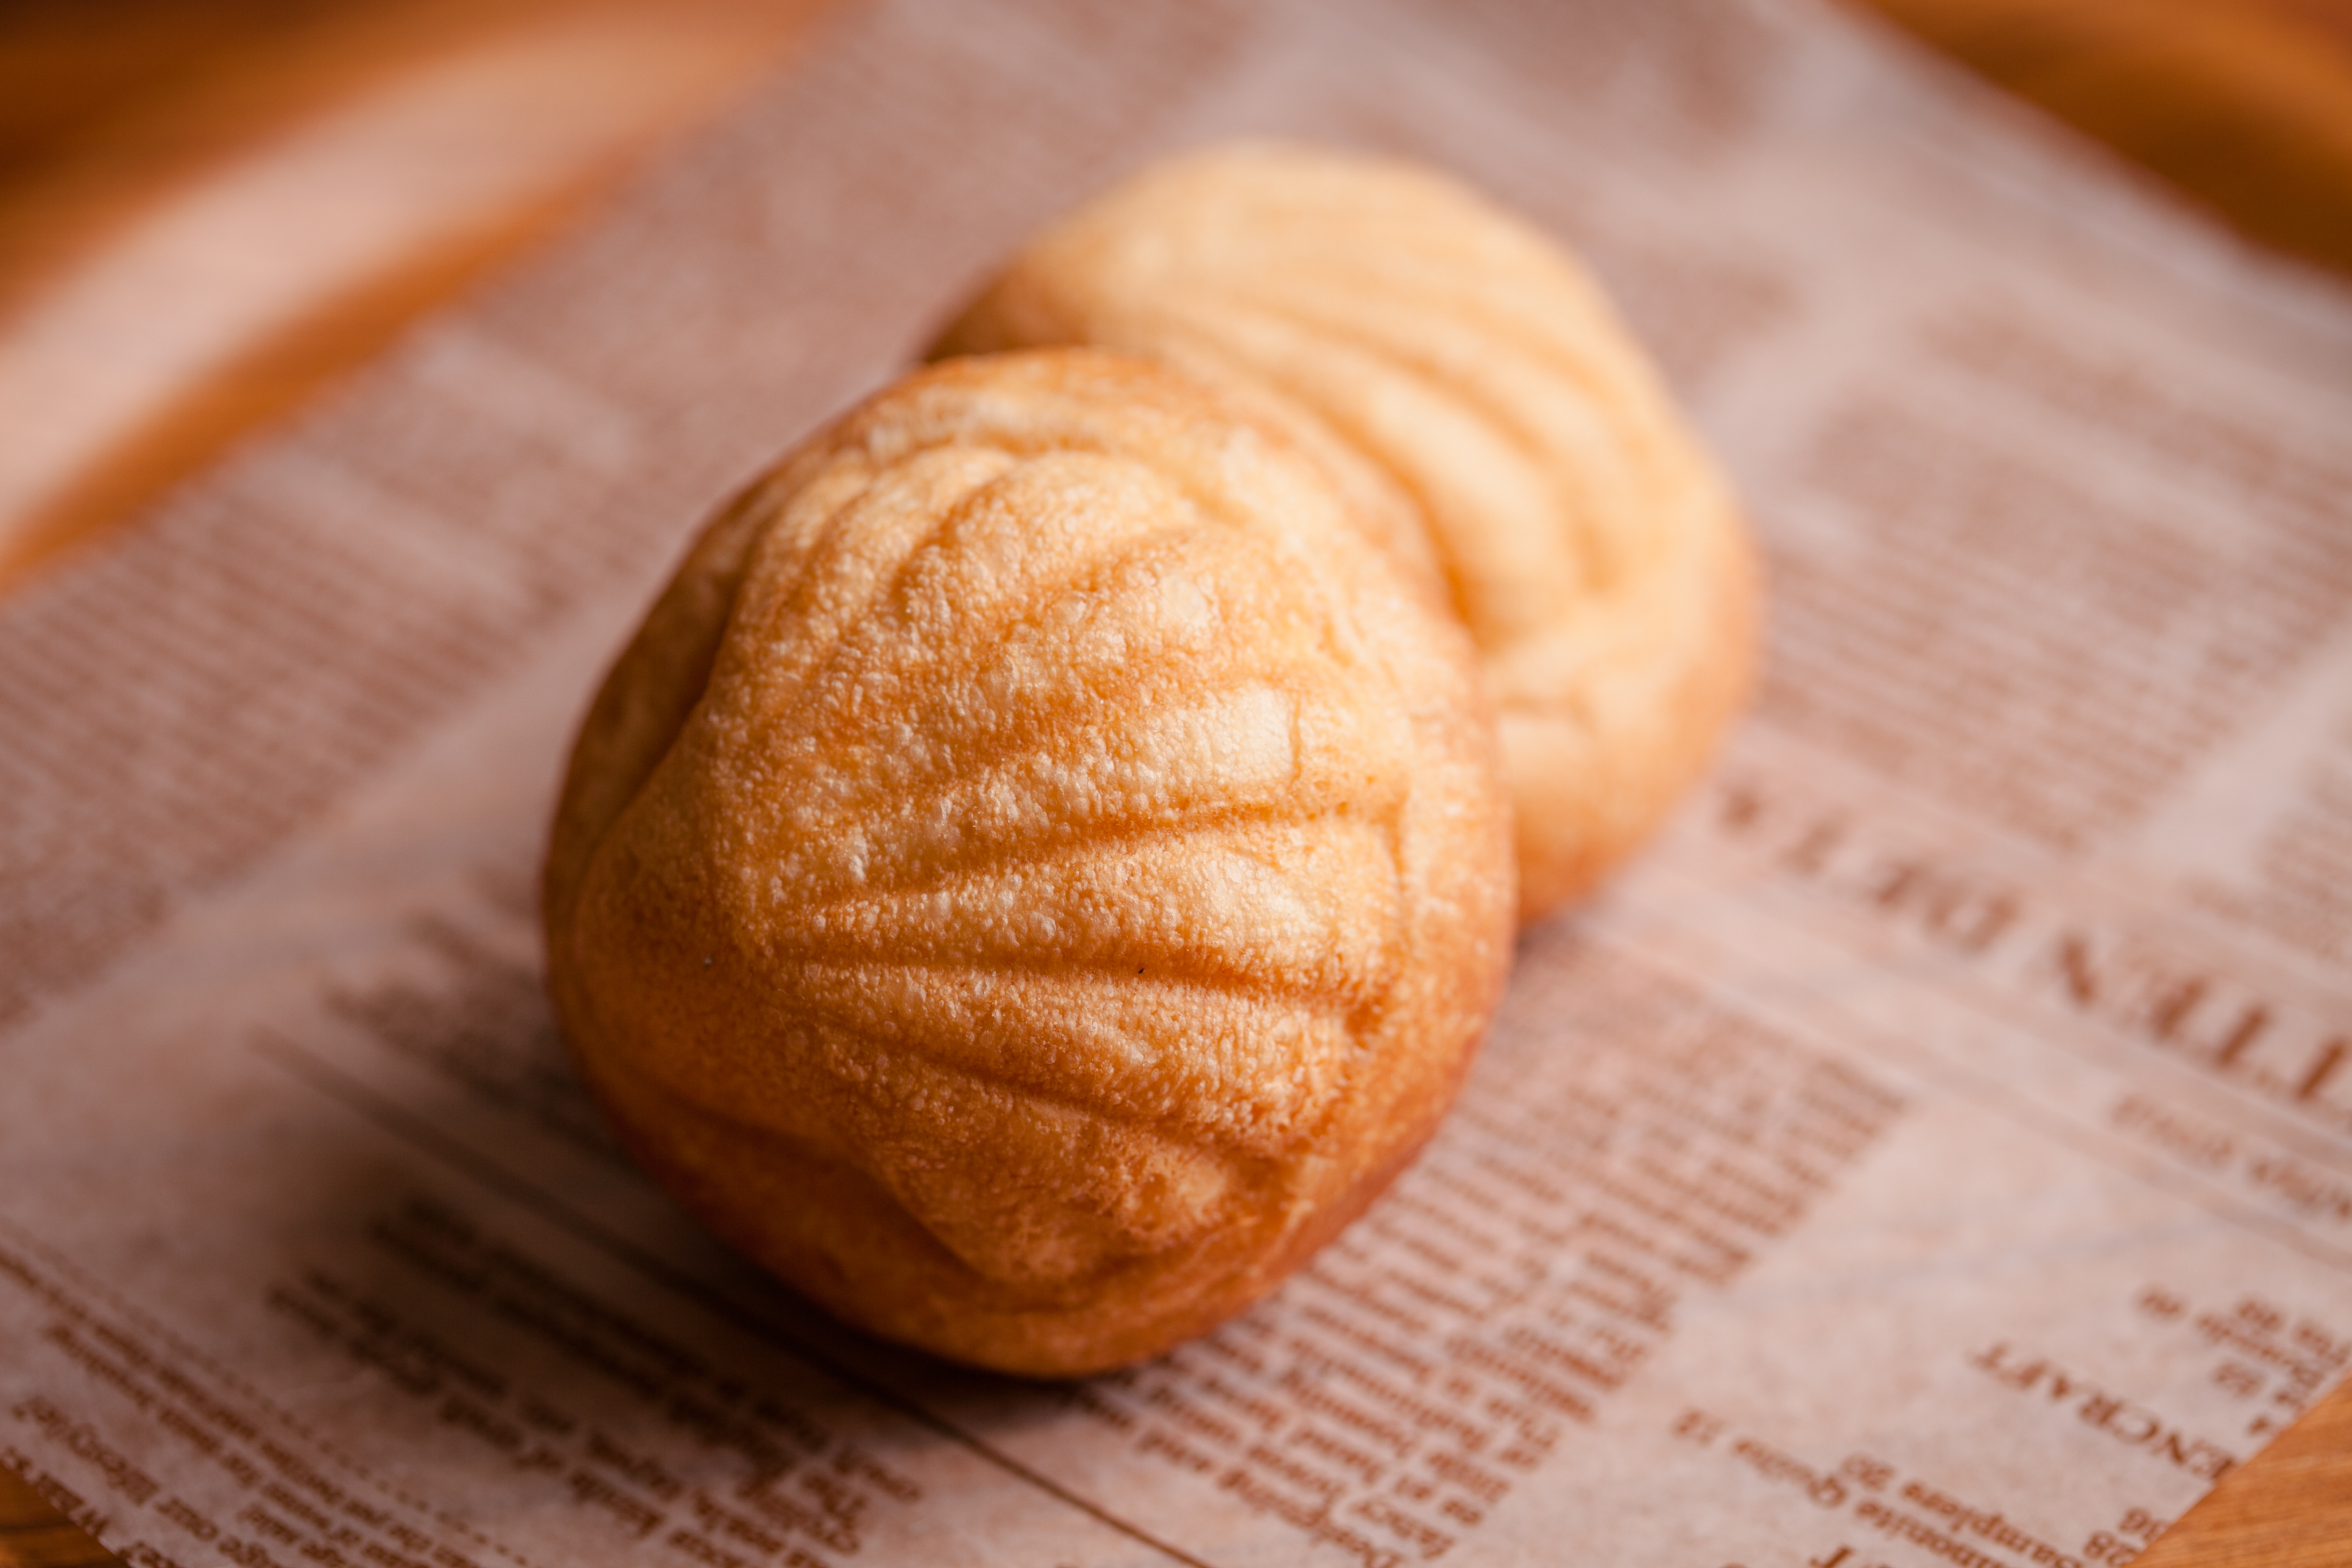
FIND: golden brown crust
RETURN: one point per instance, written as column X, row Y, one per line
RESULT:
column 1038, row 870
column 1478, row 402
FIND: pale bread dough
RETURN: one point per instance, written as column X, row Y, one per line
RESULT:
column 1486, row 415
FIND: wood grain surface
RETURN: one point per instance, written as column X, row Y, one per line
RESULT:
column 2291, row 1508
column 139, row 137
column 2244, row 105
column 390, row 152
column 37, row 1535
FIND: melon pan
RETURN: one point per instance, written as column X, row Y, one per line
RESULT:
column 1040, row 869
column 1046, row 862
column 1478, row 402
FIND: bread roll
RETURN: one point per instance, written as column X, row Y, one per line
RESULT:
column 1474, row 396
column 1038, row 871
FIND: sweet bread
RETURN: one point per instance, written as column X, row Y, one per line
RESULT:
column 1474, row 395
column 1039, row 871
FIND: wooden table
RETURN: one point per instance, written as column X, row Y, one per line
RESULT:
column 135, row 136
